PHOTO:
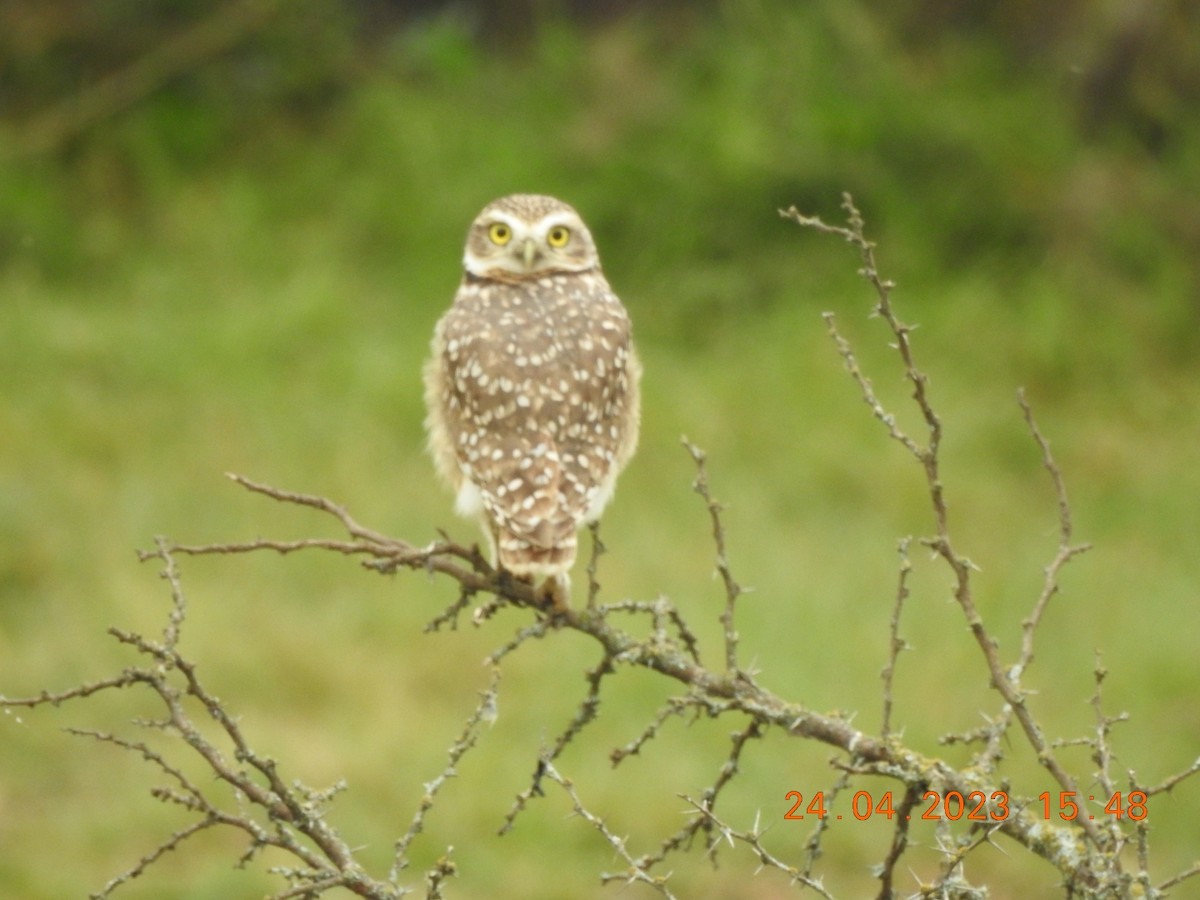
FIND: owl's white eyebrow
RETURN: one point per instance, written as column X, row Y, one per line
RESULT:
column 504, row 218
column 548, row 222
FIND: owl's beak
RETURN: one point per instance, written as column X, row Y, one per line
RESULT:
column 529, row 252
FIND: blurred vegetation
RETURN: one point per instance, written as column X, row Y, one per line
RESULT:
column 226, row 232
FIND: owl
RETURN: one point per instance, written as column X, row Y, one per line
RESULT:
column 532, row 387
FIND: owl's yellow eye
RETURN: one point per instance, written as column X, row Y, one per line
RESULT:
column 499, row 233
column 558, row 236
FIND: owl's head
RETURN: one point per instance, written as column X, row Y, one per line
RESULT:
column 527, row 236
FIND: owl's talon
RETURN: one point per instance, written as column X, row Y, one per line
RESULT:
column 554, row 594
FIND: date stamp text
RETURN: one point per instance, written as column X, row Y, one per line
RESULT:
column 975, row 806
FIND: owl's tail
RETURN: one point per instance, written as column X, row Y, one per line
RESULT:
column 523, row 556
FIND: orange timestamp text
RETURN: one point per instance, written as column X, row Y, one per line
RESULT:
column 974, row 806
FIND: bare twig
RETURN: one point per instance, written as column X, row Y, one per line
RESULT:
column 732, row 589
column 708, row 798
column 1066, row 550
column 753, row 838
column 1168, row 784
column 951, row 882
column 675, row 706
column 887, row 872
column 598, row 550
column 1101, row 751
column 449, row 615
column 1183, row 876
column 636, row 872
column 661, row 611
column 167, row 846
column 812, row 845
column 896, row 644
column 484, row 713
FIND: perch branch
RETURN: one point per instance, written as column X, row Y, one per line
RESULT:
column 724, row 691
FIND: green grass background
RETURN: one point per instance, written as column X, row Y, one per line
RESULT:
column 241, row 273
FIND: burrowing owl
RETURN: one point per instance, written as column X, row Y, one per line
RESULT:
column 532, row 388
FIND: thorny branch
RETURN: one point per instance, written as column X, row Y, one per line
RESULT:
column 753, row 838
column 1006, row 680
column 887, row 872
column 485, row 712
column 289, row 817
column 733, row 590
column 1066, row 550
column 682, row 839
column 896, row 644
column 637, row 870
